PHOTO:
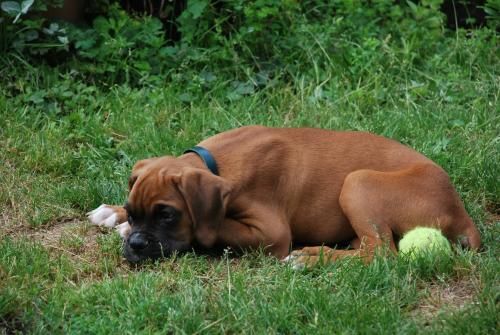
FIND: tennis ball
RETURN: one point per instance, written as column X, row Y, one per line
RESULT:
column 422, row 240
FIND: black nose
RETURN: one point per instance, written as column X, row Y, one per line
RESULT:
column 138, row 241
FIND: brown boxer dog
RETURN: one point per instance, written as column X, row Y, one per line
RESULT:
column 257, row 187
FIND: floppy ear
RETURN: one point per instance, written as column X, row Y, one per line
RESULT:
column 137, row 170
column 206, row 197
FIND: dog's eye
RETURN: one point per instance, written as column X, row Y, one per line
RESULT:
column 167, row 214
column 130, row 219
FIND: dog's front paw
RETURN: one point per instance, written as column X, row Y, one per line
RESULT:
column 123, row 230
column 103, row 215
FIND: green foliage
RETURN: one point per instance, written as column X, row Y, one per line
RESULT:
column 120, row 49
column 263, row 38
column 275, row 33
column 30, row 35
column 260, row 35
column 16, row 9
column 492, row 10
column 249, row 42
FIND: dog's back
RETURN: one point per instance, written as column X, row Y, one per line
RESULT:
column 301, row 172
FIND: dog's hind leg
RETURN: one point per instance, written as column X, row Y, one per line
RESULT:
column 381, row 205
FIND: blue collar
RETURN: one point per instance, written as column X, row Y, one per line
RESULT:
column 206, row 157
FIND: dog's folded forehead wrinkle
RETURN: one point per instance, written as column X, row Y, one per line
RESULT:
column 149, row 190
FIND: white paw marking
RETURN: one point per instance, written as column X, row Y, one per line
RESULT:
column 293, row 260
column 103, row 216
column 123, row 230
column 111, row 221
column 298, row 266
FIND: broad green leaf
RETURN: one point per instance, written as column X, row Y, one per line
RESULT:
column 25, row 6
column 413, row 7
column 85, row 43
column 169, row 51
column 196, row 8
column 63, row 39
column 54, row 27
column 11, row 7
column 31, row 35
column 244, row 88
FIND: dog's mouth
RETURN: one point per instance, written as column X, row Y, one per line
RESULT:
column 154, row 250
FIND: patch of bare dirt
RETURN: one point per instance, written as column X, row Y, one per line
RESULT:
column 84, row 244
column 446, row 297
column 76, row 238
column 9, row 221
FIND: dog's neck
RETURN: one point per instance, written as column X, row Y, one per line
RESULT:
column 193, row 160
column 207, row 157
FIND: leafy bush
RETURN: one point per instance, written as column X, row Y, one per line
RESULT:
column 26, row 34
column 290, row 34
column 121, row 49
column 248, row 41
column 492, row 9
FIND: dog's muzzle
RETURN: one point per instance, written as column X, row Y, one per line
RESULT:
column 140, row 246
column 138, row 241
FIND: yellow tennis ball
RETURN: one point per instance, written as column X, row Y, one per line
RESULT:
column 422, row 240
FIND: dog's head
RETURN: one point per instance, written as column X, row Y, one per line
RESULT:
column 171, row 207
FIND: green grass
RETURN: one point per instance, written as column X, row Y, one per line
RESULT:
column 67, row 146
